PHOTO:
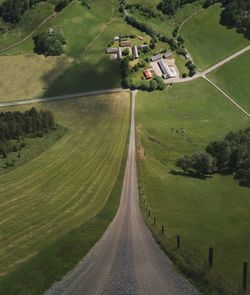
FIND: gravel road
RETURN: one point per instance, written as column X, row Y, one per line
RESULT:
column 126, row 260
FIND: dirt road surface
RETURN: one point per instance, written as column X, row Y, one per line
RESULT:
column 126, row 260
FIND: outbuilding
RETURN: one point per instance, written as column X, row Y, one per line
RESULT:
column 147, row 74
column 112, row 50
column 135, row 52
column 156, row 57
column 125, row 43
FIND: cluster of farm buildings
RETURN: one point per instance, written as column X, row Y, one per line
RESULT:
column 158, row 64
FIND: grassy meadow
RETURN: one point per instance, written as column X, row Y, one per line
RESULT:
column 233, row 78
column 28, row 76
column 207, row 40
column 66, row 185
column 213, row 212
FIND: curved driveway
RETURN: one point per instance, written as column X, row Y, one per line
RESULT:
column 126, row 260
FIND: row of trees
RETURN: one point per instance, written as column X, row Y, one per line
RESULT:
column 230, row 155
column 14, row 125
column 49, row 43
column 12, row 10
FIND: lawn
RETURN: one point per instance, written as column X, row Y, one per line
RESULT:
column 67, row 184
column 233, row 78
column 27, row 76
column 208, row 41
column 212, row 212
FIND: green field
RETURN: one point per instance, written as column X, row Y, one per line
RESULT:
column 67, row 184
column 212, row 212
column 209, row 42
column 233, row 78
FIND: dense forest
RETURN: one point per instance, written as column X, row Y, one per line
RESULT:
column 17, row 125
column 237, row 14
column 228, row 156
column 12, row 10
column 169, row 7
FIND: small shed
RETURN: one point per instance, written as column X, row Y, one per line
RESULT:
column 116, row 38
column 167, row 54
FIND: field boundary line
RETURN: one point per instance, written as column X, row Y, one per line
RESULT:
column 61, row 97
column 188, row 18
column 227, row 96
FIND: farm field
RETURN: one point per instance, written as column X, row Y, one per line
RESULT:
column 209, row 42
column 213, row 212
column 233, row 78
column 67, row 184
column 27, row 76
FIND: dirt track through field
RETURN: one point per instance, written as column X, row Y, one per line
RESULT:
column 126, row 260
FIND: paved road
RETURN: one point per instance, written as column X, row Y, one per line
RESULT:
column 126, row 260
column 60, row 97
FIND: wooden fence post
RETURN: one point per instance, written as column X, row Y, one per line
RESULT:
column 244, row 276
column 162, row 229
column 210, row 257
column 178, row 238
column 148, row 212
column 154, row 220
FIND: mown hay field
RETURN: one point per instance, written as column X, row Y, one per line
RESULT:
column 27, row 76
column 67, row 184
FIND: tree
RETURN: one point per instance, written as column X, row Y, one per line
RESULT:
column 202, row 163
column 126, row 52
column 184, row 162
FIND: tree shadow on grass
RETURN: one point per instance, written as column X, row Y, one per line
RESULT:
column 190, row 174
column 84, row 75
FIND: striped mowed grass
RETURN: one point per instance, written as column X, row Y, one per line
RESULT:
column 67, row 184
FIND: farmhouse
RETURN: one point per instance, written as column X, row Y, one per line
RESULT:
column 135, row 52
column 147, row 73
column 125, row 43
column 156, row 57
column 112, row 50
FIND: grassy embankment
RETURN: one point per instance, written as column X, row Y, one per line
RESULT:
column 233, row 78
column 213, row 212
column 208, row 41
column 88, row 32
column 64, row 189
